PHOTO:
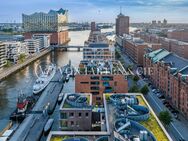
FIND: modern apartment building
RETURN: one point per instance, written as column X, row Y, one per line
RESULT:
column 76, row 112
column 122, row 25
column 134, row 47
column 98, row 77
column 14, row 49
column 99, row 51
column 53, row 23
column 169, row 73
column 45, row 40
column 33, row 45
column 2, row 55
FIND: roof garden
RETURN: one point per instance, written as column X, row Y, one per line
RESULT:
column 76, row 100
column 133, row 118
column 101, row 67
column 79, row 138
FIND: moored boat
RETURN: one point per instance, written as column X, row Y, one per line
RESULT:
column 44, row 79
column 48, row 126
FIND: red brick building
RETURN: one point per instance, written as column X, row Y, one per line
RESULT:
column 181, row 35
column 169, row 73
column 178, row 47
column 97, row 77
column 122, row 25
column 135, row 47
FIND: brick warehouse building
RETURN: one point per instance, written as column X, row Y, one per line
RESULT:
column 172, row 45
column 134, row 47
column 98, row 77
column 169, row 73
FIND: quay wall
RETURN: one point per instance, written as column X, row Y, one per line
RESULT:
column 5, row 73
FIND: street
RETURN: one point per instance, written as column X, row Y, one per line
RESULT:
column 178, row 129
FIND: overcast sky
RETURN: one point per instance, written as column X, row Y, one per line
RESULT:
column 99, row 10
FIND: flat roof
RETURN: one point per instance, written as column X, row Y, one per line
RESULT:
column 109, row 125
column 76, row 101
column 95, row 67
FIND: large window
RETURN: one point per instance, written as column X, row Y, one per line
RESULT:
column 95, row 77
column 94, row 88
column 63, row 115
column 95, row 83
column 71, row 114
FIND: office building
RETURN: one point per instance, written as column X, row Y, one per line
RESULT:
column 53, row 23
column 2, row 55
column 98, row 77
column 122, row 25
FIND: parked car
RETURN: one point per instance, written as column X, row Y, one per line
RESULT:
column 153, row 90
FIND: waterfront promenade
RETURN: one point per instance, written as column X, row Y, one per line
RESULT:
column 8, row 71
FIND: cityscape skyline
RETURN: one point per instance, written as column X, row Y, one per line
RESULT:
column 102, row 10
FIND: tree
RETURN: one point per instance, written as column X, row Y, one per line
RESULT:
column 165, row 117
column 118, row 56
column 136, row 78
column 21, row 57
column 144, row 89
column 134, row 89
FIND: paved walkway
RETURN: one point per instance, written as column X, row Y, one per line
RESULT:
column 8, row 71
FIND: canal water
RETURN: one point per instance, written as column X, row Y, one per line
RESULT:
column 24, row 80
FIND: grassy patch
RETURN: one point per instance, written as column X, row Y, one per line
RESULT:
column 66, row 105
column 152, row 124
column 59, row 138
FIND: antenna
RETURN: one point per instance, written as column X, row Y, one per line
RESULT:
column 120, row 10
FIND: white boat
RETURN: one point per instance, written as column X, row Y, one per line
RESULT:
column 44, row 79
column 48, row 126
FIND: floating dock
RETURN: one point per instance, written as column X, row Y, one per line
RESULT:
column 31, row 128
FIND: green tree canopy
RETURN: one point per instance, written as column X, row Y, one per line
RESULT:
column 165, row 117
column 144, row 89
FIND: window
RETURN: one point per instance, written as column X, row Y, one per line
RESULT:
column 109, row 78
column 94, row 88
column 84, row 82
column 95, row 83
column 71, row 114
column 87, row 114
column 98, row 98
column 63, row 115
column 72, row 123
column 64, row 124
column 95, row 77
column 95, row 93
column 115, row 83
column 80, row 114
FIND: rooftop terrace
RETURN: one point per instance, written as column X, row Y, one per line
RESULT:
column 120, row 127
column 101, row 67
column 76, row 100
